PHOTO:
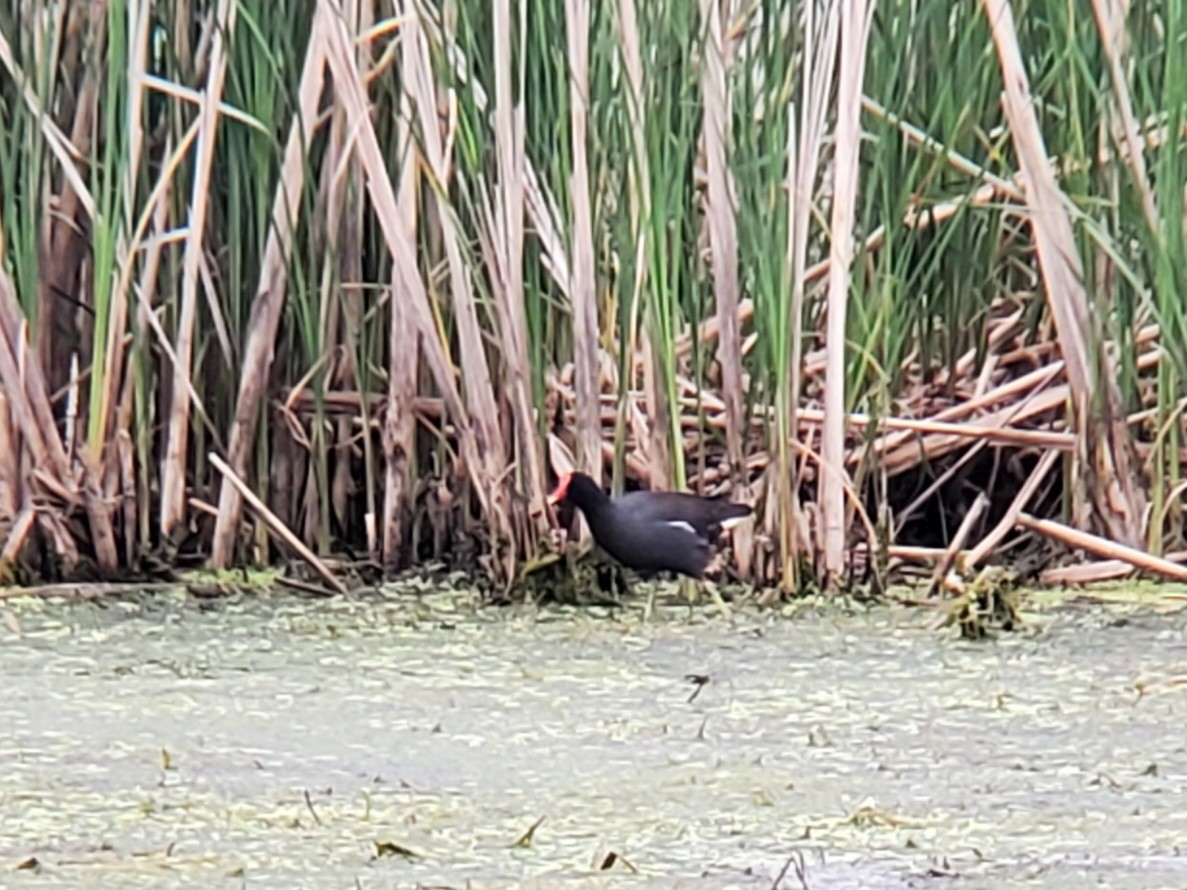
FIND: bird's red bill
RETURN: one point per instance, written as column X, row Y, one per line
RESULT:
column 561, row 490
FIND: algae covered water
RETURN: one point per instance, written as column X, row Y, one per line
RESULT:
column 416, row 739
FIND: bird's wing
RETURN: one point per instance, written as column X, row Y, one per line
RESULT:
column 661, row 506
column 706, row 516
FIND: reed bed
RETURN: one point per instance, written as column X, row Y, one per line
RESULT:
column 359, row 279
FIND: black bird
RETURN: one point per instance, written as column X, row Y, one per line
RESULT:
column 651, row 531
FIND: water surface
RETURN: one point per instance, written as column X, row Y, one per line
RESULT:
column 269, row 741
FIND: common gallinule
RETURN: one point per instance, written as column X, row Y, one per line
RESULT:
column 651, row 531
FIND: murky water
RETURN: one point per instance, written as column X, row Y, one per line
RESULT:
column 274, row 742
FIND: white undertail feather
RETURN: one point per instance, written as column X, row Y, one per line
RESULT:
column 727, row 524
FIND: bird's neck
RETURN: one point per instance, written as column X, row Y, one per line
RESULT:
column 592, row 501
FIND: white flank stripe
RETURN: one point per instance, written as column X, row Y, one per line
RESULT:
column 684, row 525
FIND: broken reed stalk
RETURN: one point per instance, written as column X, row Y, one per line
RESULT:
column 948, row 560
column 72, row 479
column 279, row 529
column 990, row 542
column 14, row 542
column 977, row 430
column 91, row 590
column 10, row 456
column 1103, row 547
column 1096, row 572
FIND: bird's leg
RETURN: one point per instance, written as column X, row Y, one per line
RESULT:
column 715, row 595
column 622, row 585
column 690, row 590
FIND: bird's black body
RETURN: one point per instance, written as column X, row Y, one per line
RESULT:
column 651, row 531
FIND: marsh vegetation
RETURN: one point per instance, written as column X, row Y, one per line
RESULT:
column 387, row 267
